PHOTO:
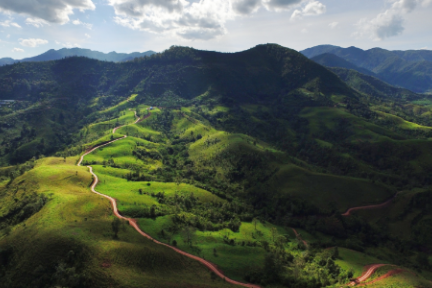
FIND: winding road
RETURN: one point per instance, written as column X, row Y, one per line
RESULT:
column 366, row 275
column 134, row 224
column 368, row 207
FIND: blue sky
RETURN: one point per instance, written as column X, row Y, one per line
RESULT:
column 31, row 27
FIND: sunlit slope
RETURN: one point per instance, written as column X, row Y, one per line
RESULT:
column 76, row 220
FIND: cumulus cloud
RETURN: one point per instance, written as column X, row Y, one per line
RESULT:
column 246, row 7
column 9, row 23
column 17, row 50
column 87, row 36
column 52, row 11
column 196, row 19
column 389, row 23
column 86, row 25
column 280, row 4
column 32, row 42
column 312, row 8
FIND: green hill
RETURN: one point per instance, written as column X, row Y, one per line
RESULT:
column 237, row 149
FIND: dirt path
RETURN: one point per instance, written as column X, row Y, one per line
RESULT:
column 387, row 275
column 134, row 224
column 299, row 237
column 367, row 274
column 368, row 207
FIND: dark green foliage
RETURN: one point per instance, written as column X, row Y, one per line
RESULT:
column 115, row 225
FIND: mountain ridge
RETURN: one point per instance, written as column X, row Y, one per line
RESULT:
column 53, row 54
column 411, row 69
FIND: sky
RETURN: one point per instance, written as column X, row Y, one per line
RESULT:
column 31, row 27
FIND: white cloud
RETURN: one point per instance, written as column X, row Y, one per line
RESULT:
column 312, row 8
column 36, row 22
column 389, row 23
column 52, row 11
column 333, row 25
column 424, row 48
column 196, row 19
column 17, row 50
column 32, row 42
column 87, row 36
column 9, row 23
column 86, row 25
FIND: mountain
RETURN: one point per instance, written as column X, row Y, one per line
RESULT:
column 331, row 60
column 372, row 86
column 6, row 61
column 408, row 69
column 69, row 52
column 249, row 160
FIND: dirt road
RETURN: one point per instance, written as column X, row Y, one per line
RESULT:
column 368, row 207
column 134, row 224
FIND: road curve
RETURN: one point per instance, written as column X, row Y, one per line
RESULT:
column 387, row 275
column 368, row 207
column 367, row 274
column 134, row 224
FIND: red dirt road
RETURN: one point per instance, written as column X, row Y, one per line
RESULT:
column 368, row 207
column 299, row 237
column 367, row 274
column 134, row 224
column 387, row 275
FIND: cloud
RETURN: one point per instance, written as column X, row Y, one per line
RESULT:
column 333, row 25
column 9, row 23
column 196, row 19
column 199, row 20
column 245, row 7
column 36, row 22
column 87, row 36
column 389, row 23
column 86, row 25
column 52, row 11
column 32, row 42
column 424, row 48
column 312, row 8
column 19, row 50
column 280, row 4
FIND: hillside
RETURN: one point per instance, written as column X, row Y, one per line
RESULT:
column 247, row 160
column 372, row 86
column 407, row 69
column 69, row 52
column 331, row 60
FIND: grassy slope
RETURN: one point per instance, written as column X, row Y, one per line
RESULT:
column 76, row 219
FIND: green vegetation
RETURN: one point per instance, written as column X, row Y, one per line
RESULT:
column 236, row 151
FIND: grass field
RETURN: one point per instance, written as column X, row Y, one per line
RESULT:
column 75, row 219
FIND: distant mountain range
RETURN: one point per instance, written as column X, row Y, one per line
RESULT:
column 410, row 69
column 68, row 52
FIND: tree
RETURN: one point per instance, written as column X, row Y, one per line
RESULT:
column 274, row 233
column 115, row 225
column 255, row 222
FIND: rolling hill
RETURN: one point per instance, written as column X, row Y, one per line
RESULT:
column 236, row 150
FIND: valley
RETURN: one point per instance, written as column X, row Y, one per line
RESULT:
column 255, row 169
